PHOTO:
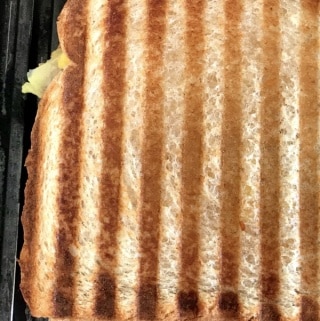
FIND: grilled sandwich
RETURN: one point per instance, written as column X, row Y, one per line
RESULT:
column 174, row 166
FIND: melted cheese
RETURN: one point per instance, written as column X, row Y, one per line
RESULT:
column 40, row 77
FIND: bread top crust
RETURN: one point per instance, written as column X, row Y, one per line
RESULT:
column 237, row 208
column 72, row 30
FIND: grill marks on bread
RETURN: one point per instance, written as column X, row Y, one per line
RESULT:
column 189, row 301
column 114, row 62
column 309, row 158
column 270, row 162
column 231, row 160
column 105, row 301
column 192, row 157
column 151, row 166
column 69, row 198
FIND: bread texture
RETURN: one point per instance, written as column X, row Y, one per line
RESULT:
column 174, row 166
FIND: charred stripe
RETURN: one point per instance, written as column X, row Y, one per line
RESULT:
column 270, row 161
column 69, row 198
column 192, row 158
column 114, row 64
column 152, row 154
column 231, row 161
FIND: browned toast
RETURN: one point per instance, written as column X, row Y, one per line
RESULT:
column 174, row 166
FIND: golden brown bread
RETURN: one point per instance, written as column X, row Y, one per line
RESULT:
column 173, row 172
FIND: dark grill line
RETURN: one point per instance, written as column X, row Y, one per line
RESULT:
column 114, row 68
column 68, row 200
column 270, row 163
column 308, row 157
column 231, row 161
column 152, row 153
column 192, row 158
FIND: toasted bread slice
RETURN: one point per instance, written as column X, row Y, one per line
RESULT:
column 174, row 167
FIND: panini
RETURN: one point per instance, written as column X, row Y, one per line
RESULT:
column 174, row 166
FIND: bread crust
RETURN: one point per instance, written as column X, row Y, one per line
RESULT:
column 33, row 189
